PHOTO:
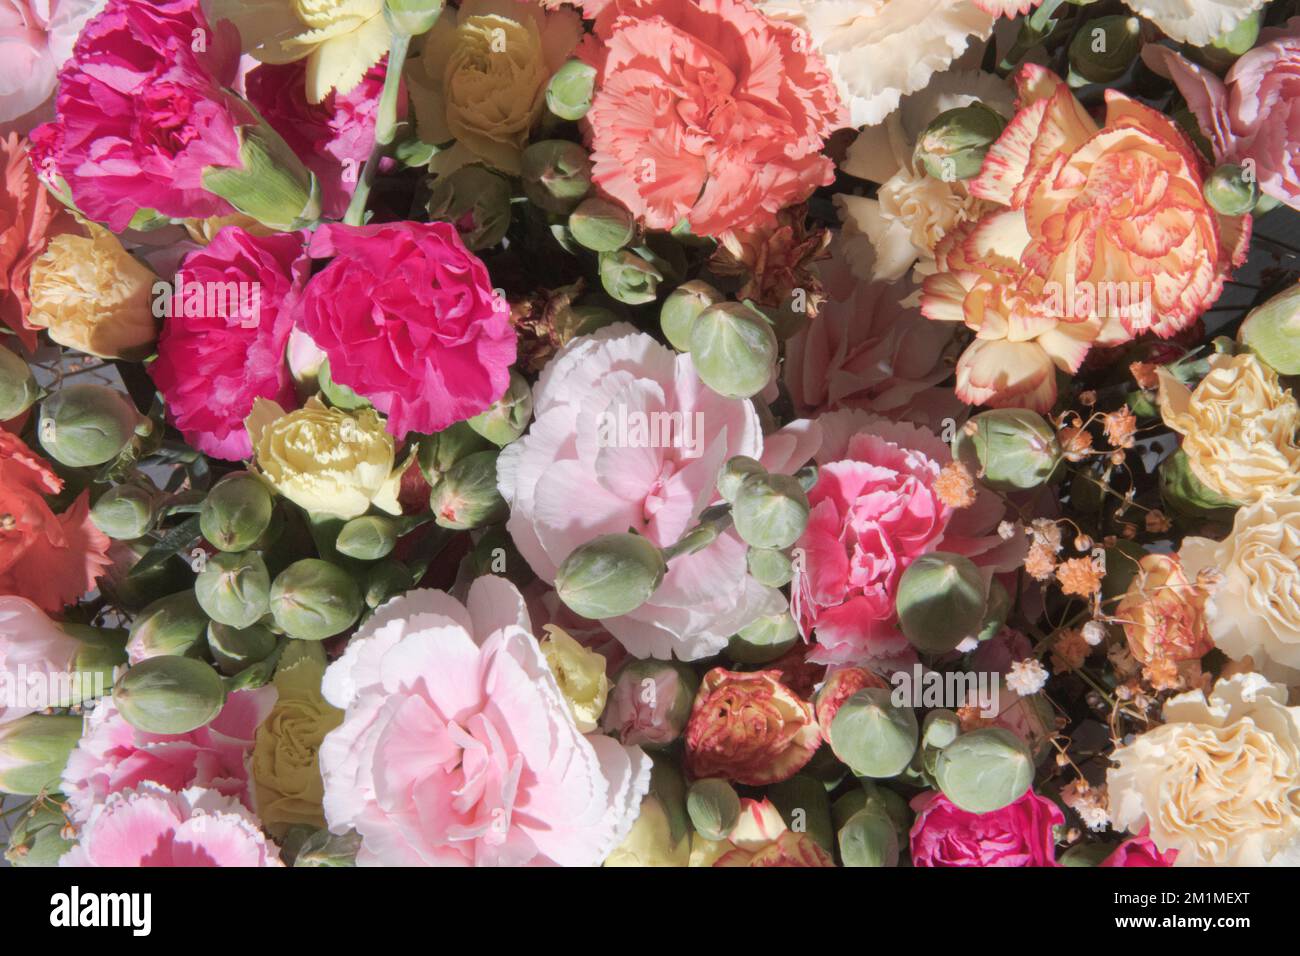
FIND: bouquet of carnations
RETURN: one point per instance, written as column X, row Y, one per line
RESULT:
column 650, row 432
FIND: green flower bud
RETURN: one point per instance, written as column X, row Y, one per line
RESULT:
column 1226, row 48
column 764, row 639
column 1103, row 49
column 1185, row 494
column 507, row 417
column 313, row 599
column 714, row 808
column 940, row 728
column 467, row 496
column 953, row 146
column 339, row 396
column 169, row 695
column 803, row 803
column 940, row 601
column 412, row 17
column 18, row 388
column 367, row 538
column 476, row 201
column 872, row 736
column 1085, row 854
column 569, row 93
column 629, row 278
column 386, row 580
column 770, row 511
column 271, row 184
column 236, row 512
column 770, row 566
column 734, row 474
column 234, row 589
column 34, row 750
column 126, row 512
column 984, row 770
column 556, row 174
column 601, row 225
column 172, row 625
column 734, row 349
column 236, row 648
column 1008, row 449
column 846, row 805
column 85, row 425
column 37, row 838
column 682, row 307
column 102, row 652
column 323, row 848
column 868, row 838
column 1231, row 190
column 1272, row 331
column 996, row 609
column 890, row 804
column 612, row 575
column 437, row 453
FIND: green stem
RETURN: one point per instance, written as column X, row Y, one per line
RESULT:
column 385, row 128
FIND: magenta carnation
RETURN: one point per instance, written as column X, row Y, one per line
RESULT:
column 223, row 345
column 1139, row 851
column 409, row 319
column 1020, row 834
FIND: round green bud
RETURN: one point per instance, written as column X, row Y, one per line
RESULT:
column 940, row 728
column 437, row 453
column 169, row 695
column 234, row 589
column 734, row 474
column 34, row 750
column 873, row 737
column 37, row 838
column 339, row 396
column 764, row 639
column 953, row 146
column 601, row 225
column 1231, row 190
column 1103, row 49
column 18, row 388
column 313, row 599
column 171, row 625
column 629, row 278
column 1185, row 494
column 984, row 770
column 236, row 512
column 467, row 496
column 769, row 566
column 556, row 174
column 1008, row 449
column 1272, row 331
column 996, row 608
column 714, row 808
column 682, row 307
column 940, row 601
column 476, row 201
column 770, row 511
column 85, row 425
column 734, row 349
column 569, row 93
column 506, row 418
column 386, row 580
column 367, row 538
column 412, row 17
column 126, row 512
column 868, row 838
column 235, row 648
column 612, row 575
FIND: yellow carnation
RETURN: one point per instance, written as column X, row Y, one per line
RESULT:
column 650, row 841
column 581, row 675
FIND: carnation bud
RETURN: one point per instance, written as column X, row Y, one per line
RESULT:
column 764, row 639
column 569, row 93
column 437, row 453
column 1272, row 331
column 126, row 512
column 556, row 174
column 172, row 625
column 940, row 728
column 650, row 702
column 803, row 803
column 234, row 588
column 18, row 388
column 313, row 599
column 1009, row 449
column 734, row 349
column 339, row 396
column 1103, row 49
column 476, row 201
column 1230, row 191
column 169, row 695
column 271, row 184
column 940, row 601
column 467, row 496
column 34, row 750
column 714, row 808
column 85, row 425
column 236, row 512
column 506, row 418
column 601, row 225
column 953, row 146
column 769, row 566
column 235, row 648
column 682, row 307
column 734, row 474
column 614, row 574
column 629, row 278
column 996, row 608
column 984, row 770
column 872, row 736
column 412, row 17
column 367, row 538
column 868, row 838
column 1085, row 854
column 385, row 580
column 770, row 511
column 38, row 837
column 1183, row 493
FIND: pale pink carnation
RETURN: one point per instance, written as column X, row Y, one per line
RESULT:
column 31, row 646
column 37, row 37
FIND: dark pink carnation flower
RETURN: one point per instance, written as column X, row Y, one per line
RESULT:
column 1020, row 834
column 1139, row 851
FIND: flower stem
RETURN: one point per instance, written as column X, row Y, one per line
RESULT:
column 385, row 128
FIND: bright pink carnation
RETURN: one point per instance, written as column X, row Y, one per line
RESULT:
column 37, row 37
column 409, row 319
column 1017, row 835
column 141, row 114
column 154, row 826
column 223, row 345
column 709, row 111
column 874, row 511
column 113, row 756
column 458, row 748
column 1139, row 851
